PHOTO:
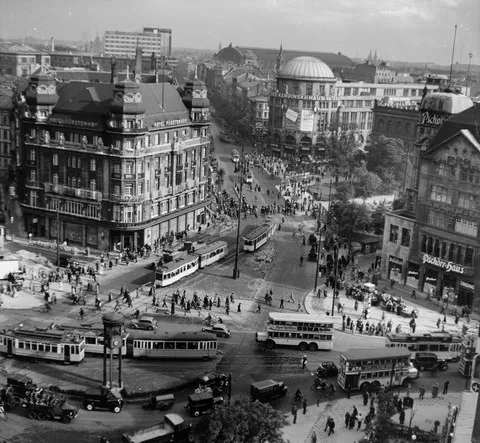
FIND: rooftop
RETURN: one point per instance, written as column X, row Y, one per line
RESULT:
column 306, row 68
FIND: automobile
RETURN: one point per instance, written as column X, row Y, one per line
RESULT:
column 219, row 329
column 266, row 390
column 327, row 369
column 146, row 322
column 427, row 361
column 202, row 403
column 160, row 402
column 214, row 381
column 103, row 399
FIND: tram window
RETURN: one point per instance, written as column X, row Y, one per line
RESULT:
column 192, row 345
column 40, row 347
column 34, row 346
column 90, row 340
column 55, row 349
column 158, row 345
column 21, row 345
column 181, row 345
column 434, row 348
column 422, row 347
column 47, row 348
column 443, row 348
column 27, row 345
column 170, row 345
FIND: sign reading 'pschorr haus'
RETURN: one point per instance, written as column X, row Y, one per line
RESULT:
column 432, row 119
column 447, row 265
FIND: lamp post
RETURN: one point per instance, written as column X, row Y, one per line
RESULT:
column 58, row 232
column 335, row 264
column 237, row 249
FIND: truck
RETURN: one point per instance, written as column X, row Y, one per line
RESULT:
column 43, row 404
column 173, row 429
column 16, row 389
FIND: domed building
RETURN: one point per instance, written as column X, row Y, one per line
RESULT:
column 302, row 108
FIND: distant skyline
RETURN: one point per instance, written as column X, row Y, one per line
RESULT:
column 400, row 30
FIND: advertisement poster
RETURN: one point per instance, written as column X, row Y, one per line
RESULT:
column 291, row 115
column 306, row 120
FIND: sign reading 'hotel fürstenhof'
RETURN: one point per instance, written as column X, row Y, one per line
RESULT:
column 447, row 265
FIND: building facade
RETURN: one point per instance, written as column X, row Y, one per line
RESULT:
column 119, row 165
column 151, row 40
column 7, row 135
column 310, row 104
column 22, row 61
column 433, row 243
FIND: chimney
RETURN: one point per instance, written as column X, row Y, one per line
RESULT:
column 113, row 70
column 137, row 73
column 52, row 44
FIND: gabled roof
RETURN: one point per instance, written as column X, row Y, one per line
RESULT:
column 468, row 119
column 462, row 133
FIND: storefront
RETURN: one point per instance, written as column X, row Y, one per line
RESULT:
column 395, row 265
column 430, row 281
column 466, row 292
column 413, row 273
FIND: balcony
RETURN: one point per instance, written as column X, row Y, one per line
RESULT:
column 123, row 198
column 116, row 175
column 73, row 192
column 179, row 188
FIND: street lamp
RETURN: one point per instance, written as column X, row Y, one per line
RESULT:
column 58, row 232
column 236, row 272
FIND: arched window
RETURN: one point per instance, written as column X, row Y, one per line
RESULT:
column 429, row 245
column 459, row 258
column 443, row 252
column 436, row 248
column 451, row 252
column 408, row 129
column 398, row 128
column 290, row 140
column 389, row 126
column 381, row 125
column 423, row 245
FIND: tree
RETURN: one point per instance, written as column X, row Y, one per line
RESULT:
column 220, row 177
column 243, row 421
column 350, row 217
column 382, row 425
column 368, row 183
column 378, row 219
column 386, row 157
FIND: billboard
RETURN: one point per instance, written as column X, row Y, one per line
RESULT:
column 306, row 120
column 291, row 115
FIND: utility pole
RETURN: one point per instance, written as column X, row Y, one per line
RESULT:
column 236, row 272
column 335, row 264
column 58, row 232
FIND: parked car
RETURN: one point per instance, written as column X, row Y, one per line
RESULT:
column 219, row 329
column 267, row 390
column 202, row 403
column 428, row 361
column 214, row 381
column 146, row 322
column 103, row 399
column 327, row 369
column 160, row 402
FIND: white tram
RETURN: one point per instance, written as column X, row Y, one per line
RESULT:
column 258, row 237
column 45, row 344
column 187, row 345
column 211, row 253
column 173, row 271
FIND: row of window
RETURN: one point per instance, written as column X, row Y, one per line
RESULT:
column 426, row 347
column 461, row 225
column 448, row 170
column 299, row 336
column 47, row 347
column 405, row 237
column 174, row 345
column 460, row 254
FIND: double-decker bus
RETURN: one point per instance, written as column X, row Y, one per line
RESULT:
column 258, row 237
column 188, row 345
column 45, row 344
column 365, row 368
column 304, row 331
column 444, row 344
column 235, row 156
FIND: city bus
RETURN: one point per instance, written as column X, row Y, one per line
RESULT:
column 45, row 344
column 258, row 237
column 467, row 354
column 188, row 345
column 235, row 156
column 444, row 344
column 304, row 331
column 375, row 368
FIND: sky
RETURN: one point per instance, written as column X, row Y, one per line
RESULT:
column 400, row 30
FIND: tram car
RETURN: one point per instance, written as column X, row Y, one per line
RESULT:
column 258, row 237
column 45, row 344
column 94, row 338
column 211, row 253
column 173, row 345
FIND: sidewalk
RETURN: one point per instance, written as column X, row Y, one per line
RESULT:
column 425, row 412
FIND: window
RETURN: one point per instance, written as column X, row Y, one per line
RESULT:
column 93, row 185
column 129, row 189
column 406, row 237
column 116, row 189
column 129, row 168
column 116, row 168
column 466, row 226
column 440, row 194
column 308, row 89
column 468, row 257
column 33, row 175
column 33, row 155
column 93, row 165
column 438, row 219
column 466, row 200
column 446, row 170
column 394, row 233
column 467, row 175
column 55, row 159
column 55, row 179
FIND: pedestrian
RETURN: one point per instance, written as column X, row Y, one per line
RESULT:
column 281, row 303
column 349, row 390
column 292, row 298
column 347, row 419
column 365, row 398
column 304, row 361
column 401, row 417
column 82, row 313
column 438, row 323
column 351, row 424
column 435, row 390
column 327, row 425
column 294, row 413
column 301, row 260
column 239, row 308
column 299, row 307
column 422, row 392
column 359, row 421
column 332, row 427
column 445, row 387
column 259, row 308
column 304, row 406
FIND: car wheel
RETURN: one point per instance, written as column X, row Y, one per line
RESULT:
column 203, row 329
column 196, row 413
column 422, row 368
column 270, row 344
column 406, row 383
column 41, row 416
column 312, row 347
column 444, row 367
column 89, row 407
column 67, row 419
column 303, row 346
column 150, row 328
column 117, row 409
column 476, row 387
column 133, row 326
column 32, row 415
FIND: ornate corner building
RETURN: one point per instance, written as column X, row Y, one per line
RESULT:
column 118, row 164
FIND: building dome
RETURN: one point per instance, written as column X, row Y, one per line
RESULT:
column 306, row 68
column 446, row 102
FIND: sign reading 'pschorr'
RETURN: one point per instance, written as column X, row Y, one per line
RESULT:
column 447, row 265
column 432, row 119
